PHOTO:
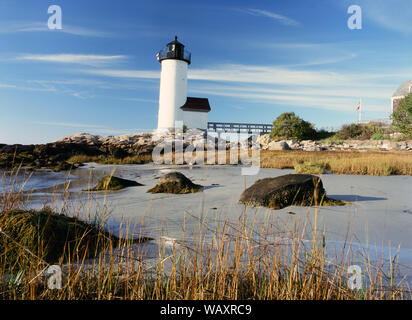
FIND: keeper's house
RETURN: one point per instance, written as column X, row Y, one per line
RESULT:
column 401, row 93
column 195, row 112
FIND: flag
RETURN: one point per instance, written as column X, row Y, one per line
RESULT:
column 359, row 110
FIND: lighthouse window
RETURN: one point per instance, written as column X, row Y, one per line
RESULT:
column 172, row 47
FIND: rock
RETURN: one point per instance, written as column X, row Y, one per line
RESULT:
column 264, row 141
column 312, row 148
column 287, row 190
column 401, row 146
column 195, row 132
column 324, row 147
column 53, row 155
column 177, row 183
column 385, row 146
column 278, row 145
column 114, row 183
column 81, row 138
column 395, row 135
column 64, row 166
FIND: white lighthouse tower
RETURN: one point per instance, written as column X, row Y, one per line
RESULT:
column 173, row 84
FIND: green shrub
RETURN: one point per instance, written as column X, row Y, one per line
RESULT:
column 372, row 130
column 402, row 116
column 324, row 134
column 378, row 136
column 288, row 125
column 332, row 140
column 349, row 131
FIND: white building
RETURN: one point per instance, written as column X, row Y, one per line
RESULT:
column 401, row 93
column 174, row 105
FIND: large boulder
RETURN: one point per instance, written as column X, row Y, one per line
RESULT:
column 287, row 190
column 278, row 145
column 114, row 183
column 264, row 141
column 175, row 182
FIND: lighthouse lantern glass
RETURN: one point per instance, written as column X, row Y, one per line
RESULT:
column 174, row 50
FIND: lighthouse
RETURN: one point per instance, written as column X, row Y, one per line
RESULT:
column 173, row 83
column 174, row 105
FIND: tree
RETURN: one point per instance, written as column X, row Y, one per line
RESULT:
column 289, row 125
column 402, row 116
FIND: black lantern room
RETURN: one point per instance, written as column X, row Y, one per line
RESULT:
column 174, row 50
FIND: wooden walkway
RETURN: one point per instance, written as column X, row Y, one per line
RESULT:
column 239, row 127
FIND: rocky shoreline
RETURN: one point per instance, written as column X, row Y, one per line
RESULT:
column 347, row 145
column 55, row 155
column 52, row 155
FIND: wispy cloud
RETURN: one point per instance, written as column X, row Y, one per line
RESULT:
column 131, row 74
column 84, row 59
column 77, row 84
column 5, row 85
column 330, row 60
column 68, row 124
column 291, row 45
column 283, row 85
column 236, row 73
column 268, row 75
column 82, row 95
column 27, row 87
column 303, row 88
column 308, row 53
column 329, row 98
column 15, row 27
column 74, row 82
column 55, row 86
column 91, row 128
column 378, row 91
column 139, row 100
column 78, row 88
column 342, row 104
column 272, row 15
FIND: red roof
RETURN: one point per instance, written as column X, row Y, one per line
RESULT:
column 196, row 104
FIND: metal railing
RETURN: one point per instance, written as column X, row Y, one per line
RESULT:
column 239, row 127
column 174, row 54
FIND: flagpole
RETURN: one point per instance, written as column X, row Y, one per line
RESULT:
column 360, row 110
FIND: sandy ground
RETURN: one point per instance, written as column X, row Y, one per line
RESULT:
column 379, row 218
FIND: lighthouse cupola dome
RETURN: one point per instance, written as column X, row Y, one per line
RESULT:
column 174, row 50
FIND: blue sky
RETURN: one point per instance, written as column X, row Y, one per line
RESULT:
column 252, row 59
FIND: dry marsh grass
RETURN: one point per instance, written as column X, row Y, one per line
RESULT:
column 311, row 167
column 359, row 163
column 137, row 159
column 374, row 163
column 240, row 259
